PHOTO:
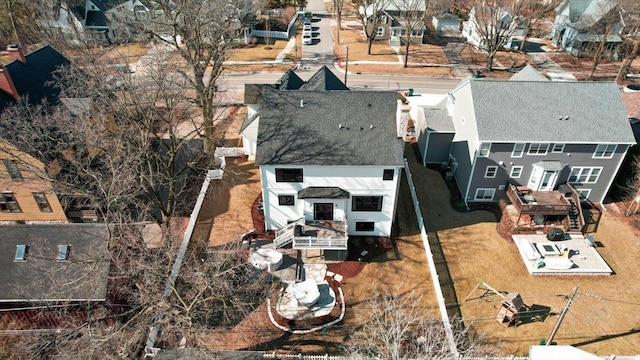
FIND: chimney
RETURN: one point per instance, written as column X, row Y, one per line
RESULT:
column 16, row 53
column 6, row 84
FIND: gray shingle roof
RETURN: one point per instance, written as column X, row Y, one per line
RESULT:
column 323, row 192
column 529, row 111
column 528, row 73
column 330, row 128
column 290, row 81
column 41, row 277
column 438, row 119
column 323, row 80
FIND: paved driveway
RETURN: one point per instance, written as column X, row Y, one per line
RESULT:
column 320, row 52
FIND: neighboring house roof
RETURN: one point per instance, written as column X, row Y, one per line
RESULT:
column 34, row 78
column 82, row 276
column 394, row 6
column 487, row 14
column 328, row 128
column 528, row 73
column 323, row 80
column 530, row 111
column 96, row 18
column 447, row 17
column 585, row 13
column 203, row 354
column 289, row 81
column 632, row 104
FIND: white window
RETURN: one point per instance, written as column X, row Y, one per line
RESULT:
column 516, row 172
column 538, row 149
column 485, row 194
column 490, row 172
column 518, row 150
column 484, row 149
column 557, row 148
column 585, row 175
column 584, row 193
column 604, row 151
column 380, row 31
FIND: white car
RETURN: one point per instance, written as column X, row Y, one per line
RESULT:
column 306, row 28
column 306, row 39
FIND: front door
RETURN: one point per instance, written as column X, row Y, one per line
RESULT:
column 323, row 211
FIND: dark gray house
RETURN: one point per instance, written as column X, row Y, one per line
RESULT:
column 530, row 133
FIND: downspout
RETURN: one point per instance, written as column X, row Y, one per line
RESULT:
column 473, row 169
column 265, row 204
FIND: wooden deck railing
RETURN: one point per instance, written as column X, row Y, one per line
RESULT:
column 535, row 209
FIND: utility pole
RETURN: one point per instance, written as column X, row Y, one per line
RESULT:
column 562, row 314
column 346, row 67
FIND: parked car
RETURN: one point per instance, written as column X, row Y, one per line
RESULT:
column 306, row 21
column 306, row 38
column 306, row 28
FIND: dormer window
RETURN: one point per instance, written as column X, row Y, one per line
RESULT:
column 12, row 168
column 21, row 253
column 63, row 252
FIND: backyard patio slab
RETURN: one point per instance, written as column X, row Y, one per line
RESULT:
column 585, row 258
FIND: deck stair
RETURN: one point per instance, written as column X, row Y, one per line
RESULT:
column 575, row 217
column 285, row 235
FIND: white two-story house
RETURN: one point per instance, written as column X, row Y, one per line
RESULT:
column 330, row 162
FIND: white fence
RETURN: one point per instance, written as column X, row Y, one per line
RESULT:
column 276, row 34
column 432, row 265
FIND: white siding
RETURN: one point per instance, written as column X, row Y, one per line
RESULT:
column 357, row 180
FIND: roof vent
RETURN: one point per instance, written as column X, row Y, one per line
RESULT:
column 340, row 126
column 63, row 252
column 21, row 253
column 301, row 103
column 361, row 128
column 371, row 126
column 560, row 118
column 566, row 117
column 369, row 105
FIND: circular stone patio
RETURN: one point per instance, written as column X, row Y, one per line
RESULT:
column 289, row 308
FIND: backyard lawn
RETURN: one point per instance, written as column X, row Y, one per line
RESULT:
column 601, row 320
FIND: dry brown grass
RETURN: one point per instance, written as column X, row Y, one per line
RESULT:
column 357, row 43
column 231, row 207
column 128, row 53
column 474, row 251
column 258, row 52
column 581, row 67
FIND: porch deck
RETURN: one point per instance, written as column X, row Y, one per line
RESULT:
column 538, row 202
column 585, row 258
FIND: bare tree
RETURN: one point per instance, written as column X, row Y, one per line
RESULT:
column 600, row 28
column 371, row 17
column 534, row 11
column 412, row 23
column 631, row 37
column 338, row 7
column 495, row 22
column 201, row 34
column 398, row 327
